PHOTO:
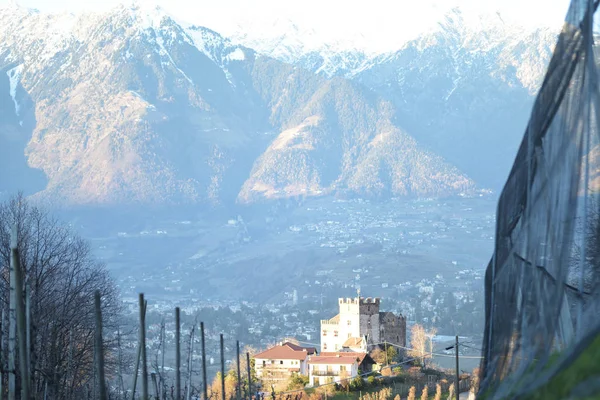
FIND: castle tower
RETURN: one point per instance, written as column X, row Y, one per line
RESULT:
column 349, row 319
column 369, row 319
column 358, row 318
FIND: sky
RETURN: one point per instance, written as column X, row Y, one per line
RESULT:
column 367, row 20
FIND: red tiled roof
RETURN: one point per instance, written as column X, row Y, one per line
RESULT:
column 338, row 358
column 352, row 342
column 309, row 350
column 335, row 319
column 287, row 351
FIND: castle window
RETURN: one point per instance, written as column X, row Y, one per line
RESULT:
column 324, row 332
column 342, row 368
column 349, row 322
column 281, row 362
column 335, row 333
column 324, row 346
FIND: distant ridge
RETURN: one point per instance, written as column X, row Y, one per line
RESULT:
column 131, row 107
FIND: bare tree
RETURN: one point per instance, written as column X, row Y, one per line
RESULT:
column 419, row 343
column 62, row 277
column 430, row 335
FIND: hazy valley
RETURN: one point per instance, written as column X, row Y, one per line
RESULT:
column 264, row 179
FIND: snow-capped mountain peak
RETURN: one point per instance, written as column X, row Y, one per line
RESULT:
column 288, row 41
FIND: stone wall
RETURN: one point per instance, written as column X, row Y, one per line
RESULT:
column 369, row 319
column 393, row 328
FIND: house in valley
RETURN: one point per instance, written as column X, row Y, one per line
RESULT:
column 329, row 367
column 277, row 364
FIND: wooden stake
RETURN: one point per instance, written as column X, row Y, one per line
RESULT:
column 163, row 385
column 99, row 348
column 249, row 376
column 222, row 369
column 204, row 383
column 2, row 325
column 143, row 347
column 189, row 371
column 239, row 373
column 12, row 325
column 28, row 330
column 137, row 364
column 121, row 389
column 177, row 356
column 94, row 385
column 20, row 311
column 457, row 377
column 155, row 384
column 70, row 375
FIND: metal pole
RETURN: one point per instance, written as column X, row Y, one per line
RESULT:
column 239, row 373
column 249, row 375
column 204, row 383
column 457, row 378
column 143, row 347
column 21, row 320
column 222, row 369
column 99, row 352
column 177, row 356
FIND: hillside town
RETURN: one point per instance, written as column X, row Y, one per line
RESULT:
column 347, row 340
column 361, row 348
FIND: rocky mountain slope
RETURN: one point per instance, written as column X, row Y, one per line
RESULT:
column 467, row 94
column 340, row 140
column 132, row 107
column 464, row 89
column 17, row 121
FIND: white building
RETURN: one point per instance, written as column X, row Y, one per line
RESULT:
column 334, row 367
column 278, row 363
column 360, row 324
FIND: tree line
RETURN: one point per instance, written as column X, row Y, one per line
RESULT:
column 60, row 277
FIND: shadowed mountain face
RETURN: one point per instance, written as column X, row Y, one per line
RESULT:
column 342, row 139
column 467, row 95
column 132, row 107
column 464, row 90
column 17, row 122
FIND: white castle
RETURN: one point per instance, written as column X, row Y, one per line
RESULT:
column 360, row 325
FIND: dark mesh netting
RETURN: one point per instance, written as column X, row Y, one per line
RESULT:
column 542, row 292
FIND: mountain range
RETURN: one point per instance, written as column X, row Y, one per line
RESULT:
column 134, row 107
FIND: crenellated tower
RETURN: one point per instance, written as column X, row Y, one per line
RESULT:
column 357, row 320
